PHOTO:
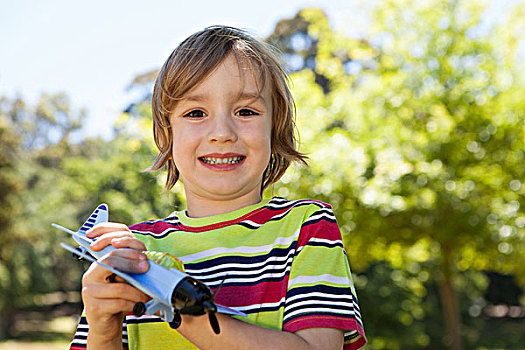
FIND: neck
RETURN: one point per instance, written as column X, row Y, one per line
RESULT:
column 199, row 207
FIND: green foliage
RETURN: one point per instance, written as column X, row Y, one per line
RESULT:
column 47, row 179
column 415, row 135
column 418, row 143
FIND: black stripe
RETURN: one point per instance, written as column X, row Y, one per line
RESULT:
column 156, row 235
column 249, row 226
column 333, row 314
column 351, row 335
column 228, row 282
column 144, row 320
column 325, row 244
column 290, row 204
column 348, row 307
column 341, row 298
column 318, row 288
column 321, row 218
column 233, row 272
column 264, row 309
column 235, row 259
column 84, row 346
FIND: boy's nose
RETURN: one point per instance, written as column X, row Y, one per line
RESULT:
column 222, row 129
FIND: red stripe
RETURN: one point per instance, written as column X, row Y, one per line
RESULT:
column 155, row 228
column 328, row 322
column 323, row 229
column 259, row 216
column 268, row 292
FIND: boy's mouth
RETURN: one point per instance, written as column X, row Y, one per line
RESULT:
column 222, row 160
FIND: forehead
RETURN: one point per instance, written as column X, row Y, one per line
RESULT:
column 238, row 75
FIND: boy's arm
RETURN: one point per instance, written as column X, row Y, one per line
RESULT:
column 236, row 334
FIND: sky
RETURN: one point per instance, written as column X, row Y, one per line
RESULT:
column 91, row 50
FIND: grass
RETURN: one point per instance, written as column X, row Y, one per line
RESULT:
column 36, row 334
column 17, row 345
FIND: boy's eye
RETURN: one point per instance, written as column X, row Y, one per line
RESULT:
column 245, row 112
column 197, row 113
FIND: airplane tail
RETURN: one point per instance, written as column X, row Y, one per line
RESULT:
column 99, row 215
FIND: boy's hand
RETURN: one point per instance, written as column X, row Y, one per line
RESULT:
column 107, row 299
column 118, row 235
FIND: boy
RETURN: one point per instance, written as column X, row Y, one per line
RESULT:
column 223, row 124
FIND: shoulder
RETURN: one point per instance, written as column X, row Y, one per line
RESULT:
column 300, row 205
column 302, row 210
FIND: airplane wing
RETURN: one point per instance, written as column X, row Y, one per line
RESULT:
column 229, row 311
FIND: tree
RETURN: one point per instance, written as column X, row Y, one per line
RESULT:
column 47, row 178
column 31, row 141
column 9, row 188
column 418, row 144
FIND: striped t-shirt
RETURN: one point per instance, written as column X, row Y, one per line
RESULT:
column 283, row 264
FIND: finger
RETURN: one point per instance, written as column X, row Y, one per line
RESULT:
column 127, row 260
column 122, row 291
column 116, row 279
column 106, row 227
column 128, row 242
column 108, row 306
column 125, row 253
column 95, row 273
column 105, row 239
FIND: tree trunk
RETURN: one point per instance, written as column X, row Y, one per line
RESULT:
column 450, row 303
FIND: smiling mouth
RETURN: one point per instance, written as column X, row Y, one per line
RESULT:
column 228, row 160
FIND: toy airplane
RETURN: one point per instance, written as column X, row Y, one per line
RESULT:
column 173, row 292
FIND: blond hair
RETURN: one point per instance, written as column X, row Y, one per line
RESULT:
column 192, row 62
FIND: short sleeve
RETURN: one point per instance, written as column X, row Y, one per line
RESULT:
column 320, row 290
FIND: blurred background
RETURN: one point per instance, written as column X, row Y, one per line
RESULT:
column 412, row 113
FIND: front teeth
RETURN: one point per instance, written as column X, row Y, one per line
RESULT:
column 231, row 160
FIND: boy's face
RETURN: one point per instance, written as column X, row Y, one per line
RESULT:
column 221, row 139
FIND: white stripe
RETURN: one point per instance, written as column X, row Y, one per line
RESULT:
column 319, row 294
column 335, row 312
column 250, row 280
column 251, row 223
column 279, row 241
column 262, row 266
column 81, row 333
column 80, row 341
column 259, row 306
column 279, row 203
column 326, row 278
column 143, row 317
column 314, row 303
column 323, row 240
column 318, row 215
